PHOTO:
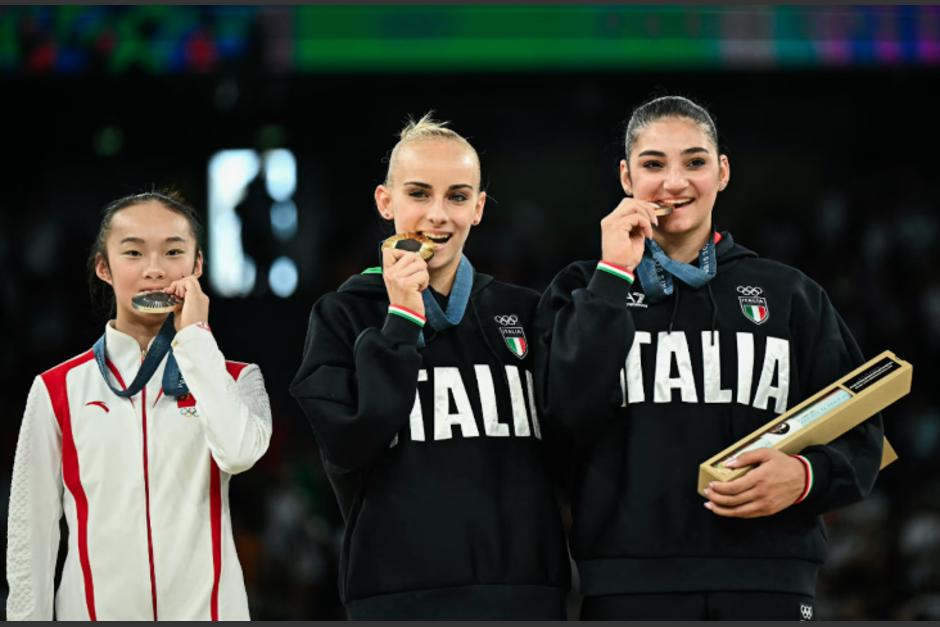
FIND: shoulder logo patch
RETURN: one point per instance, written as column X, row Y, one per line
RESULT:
column 753, row 304
column 513, row 334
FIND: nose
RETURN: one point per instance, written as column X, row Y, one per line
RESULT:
column 154, row 269
column 675, row 180
column 437, row 213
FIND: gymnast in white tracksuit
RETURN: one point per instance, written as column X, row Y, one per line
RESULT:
column 142, row 479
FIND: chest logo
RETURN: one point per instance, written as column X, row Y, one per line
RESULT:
column 513, row 335
column 98, row 404
column 635, row 299
column 187, row 405
column 753, row 304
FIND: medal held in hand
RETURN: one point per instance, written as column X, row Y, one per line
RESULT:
column 154, row 302
column 665, row 207
column 416, row 242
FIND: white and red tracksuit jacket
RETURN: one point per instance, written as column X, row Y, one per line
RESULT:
column 143, row 483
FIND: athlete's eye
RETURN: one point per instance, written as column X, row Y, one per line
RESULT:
column 651, row 165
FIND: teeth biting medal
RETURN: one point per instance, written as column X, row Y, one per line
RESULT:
column 665, row 207
column 416, row 242
column 154, row 302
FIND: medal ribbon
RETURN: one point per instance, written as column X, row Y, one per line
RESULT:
column 173, row 384
column 456, row 304
column 657, row 269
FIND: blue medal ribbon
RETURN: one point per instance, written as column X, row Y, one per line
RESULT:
column 173, row 384
column 657, row 269
column 438, row 319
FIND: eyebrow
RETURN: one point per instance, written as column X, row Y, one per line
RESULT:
column 139, row 240
column 658, row 153
column 429, row 186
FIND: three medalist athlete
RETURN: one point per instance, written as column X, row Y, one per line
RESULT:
column 662, row 354
column 135, row 441
column 417, row 379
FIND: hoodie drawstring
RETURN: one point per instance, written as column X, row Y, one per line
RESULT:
column 711, row 300
column 711, row 297
column 675, row 307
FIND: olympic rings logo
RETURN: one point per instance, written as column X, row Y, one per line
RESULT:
column 188, row 411
column 747, row 290
column 507, row 320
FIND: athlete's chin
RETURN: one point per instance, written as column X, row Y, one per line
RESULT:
column 677, row 228
column 445, row 260
column 139, row 317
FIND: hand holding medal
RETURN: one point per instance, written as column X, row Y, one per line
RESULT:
column 193, row 303
column 184, row 297
column 625, row 229
column 405, row 269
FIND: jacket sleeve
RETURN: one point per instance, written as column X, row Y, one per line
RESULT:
column 236, row 415
column 843, row 471
column 584, row 332
column 35, row 510
column 357, row 390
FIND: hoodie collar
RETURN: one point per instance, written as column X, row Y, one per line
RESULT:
column 124, row 352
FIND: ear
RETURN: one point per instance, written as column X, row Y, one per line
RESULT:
column 197, row 268
column 724, row 172
column 478, row 210
column 102, row 270
column 383, row 202
column 625, row 181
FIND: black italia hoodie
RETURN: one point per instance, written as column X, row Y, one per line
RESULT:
column 646, row 391
column 436, row 455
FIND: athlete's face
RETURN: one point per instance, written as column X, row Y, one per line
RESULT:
column 674, row 159
column 148, row 247
column 434, row 186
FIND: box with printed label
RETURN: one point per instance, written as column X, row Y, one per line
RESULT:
column 822, row 417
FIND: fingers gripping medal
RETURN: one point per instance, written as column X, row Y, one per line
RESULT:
column 154, row 302
column 665, row 207
column 416, row 242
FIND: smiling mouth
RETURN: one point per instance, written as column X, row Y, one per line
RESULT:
column 438, row 239
column 667, row 206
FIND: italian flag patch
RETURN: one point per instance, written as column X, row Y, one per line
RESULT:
column 515, row 341
column 753, row 304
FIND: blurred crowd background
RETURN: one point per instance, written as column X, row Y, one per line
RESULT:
column 824, row 112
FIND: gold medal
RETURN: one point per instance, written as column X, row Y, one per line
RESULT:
column 416, row 242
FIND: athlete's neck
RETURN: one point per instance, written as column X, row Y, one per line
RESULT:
column 442, row 279
column 142, row 330
column 684, row 247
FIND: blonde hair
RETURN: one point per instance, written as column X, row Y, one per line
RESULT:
column 426, row 128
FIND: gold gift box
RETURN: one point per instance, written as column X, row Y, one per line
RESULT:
column 822, row 417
